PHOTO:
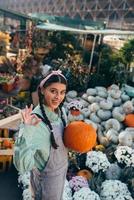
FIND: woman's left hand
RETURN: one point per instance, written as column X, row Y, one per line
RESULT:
column 29, row 118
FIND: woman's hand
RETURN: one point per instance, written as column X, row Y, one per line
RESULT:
column 29, row 118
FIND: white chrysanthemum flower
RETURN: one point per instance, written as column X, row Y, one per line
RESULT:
column 125, row 155
column 121, row 197
column 85, row 194
column 24, row 179
column 113, row 190
column 27, row 194
column 67, row 193
column 96, row 161
column 78, row 182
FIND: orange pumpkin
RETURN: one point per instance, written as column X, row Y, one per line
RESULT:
column 7, row 143
column 80, row 136
column 129, row 120
column 85, row 173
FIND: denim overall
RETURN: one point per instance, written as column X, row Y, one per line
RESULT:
column 49, row 183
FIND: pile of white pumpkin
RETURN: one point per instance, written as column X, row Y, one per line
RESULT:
column 105, row 109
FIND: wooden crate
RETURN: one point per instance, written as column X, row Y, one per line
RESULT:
column 11, row 122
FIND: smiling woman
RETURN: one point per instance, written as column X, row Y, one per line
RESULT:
column 39, row 147
column 54, row 94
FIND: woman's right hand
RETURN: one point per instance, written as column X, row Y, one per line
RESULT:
column 29, row 118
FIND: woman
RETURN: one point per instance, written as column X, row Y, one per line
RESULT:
column 39, row 146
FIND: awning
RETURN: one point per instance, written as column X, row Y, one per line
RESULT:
column 89, row 30
column 55, row 27
column 62, row 22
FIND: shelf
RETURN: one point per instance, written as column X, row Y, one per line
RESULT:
column 13, row 121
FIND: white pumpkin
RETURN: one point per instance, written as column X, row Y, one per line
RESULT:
column 91, row 92
column 112, row 135
column 100, row 88
column 131, row 131
column 104, row 114
column 116, row 102
column 94, row 107
column 84, row 96
column 72, row 94
column 102, row 94
column 101, row 138
column 91, row 99
column 112, row 123
column 128, row 107
column 114, row 87
column 115, row 93
column 106, row 104
column 125, row 139
column 118, row 114
column 94, row 118
column 125, row 97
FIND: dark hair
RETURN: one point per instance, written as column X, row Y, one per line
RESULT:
column 55, row 78
column 52, row 79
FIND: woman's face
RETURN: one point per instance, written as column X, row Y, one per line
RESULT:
column 54, row 95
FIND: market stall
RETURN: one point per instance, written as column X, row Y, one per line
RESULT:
column 106, row 171
column 9, row 115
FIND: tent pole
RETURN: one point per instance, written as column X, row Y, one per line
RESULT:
column 84, row 41
column 92, row 52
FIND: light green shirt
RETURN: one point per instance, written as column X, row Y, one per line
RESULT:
column 32, row 146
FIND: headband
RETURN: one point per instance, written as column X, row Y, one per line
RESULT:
column 57, row 72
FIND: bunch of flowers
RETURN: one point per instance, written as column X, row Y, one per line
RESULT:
column 85, row 194
column 113, row 190
column 24, row 180
column 26, row 194
column 122, row 197
column 78, row 182
column 96, row 161
column 67, row 193
column 125, row 155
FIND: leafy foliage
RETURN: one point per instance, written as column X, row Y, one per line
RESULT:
column 127, row 52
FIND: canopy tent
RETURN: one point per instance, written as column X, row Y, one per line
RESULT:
column 60, row 23
column 63, row 23
column 91, row 30
column 87, row 30
column 56, row 23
